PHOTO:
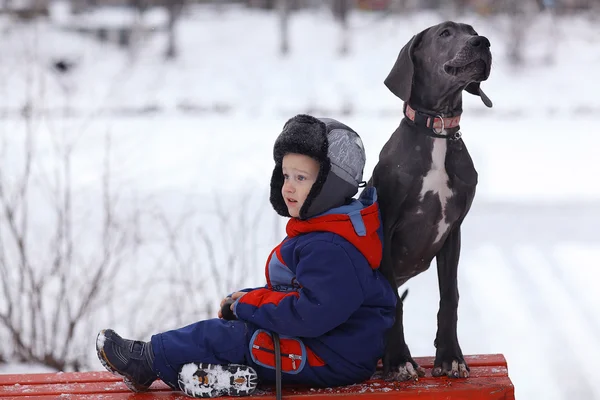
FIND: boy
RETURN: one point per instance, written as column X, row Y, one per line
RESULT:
column 324, row 296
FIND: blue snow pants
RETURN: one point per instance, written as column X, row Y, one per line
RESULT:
column 217, row 341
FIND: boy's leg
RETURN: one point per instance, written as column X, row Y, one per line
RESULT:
column 214, row 341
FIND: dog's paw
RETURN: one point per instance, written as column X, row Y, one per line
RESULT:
column 405, row 372
column 455, row 369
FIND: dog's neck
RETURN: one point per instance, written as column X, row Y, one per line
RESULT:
column 434, row 125
column 444, row 100
column 436, row 111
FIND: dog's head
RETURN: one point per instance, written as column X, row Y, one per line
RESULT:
column 446, row 58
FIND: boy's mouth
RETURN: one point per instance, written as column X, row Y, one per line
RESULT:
column 291, row 201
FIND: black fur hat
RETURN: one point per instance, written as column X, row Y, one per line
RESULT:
column 340, row 154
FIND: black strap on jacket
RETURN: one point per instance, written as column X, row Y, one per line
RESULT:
column 277, row 347
column 230, row 316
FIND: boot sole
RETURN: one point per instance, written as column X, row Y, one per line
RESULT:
column 110, row 368
column 213, row 380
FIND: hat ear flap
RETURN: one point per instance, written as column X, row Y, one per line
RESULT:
column 475, row 88
column 308, row 209
column 275, row 196
column 399, row 80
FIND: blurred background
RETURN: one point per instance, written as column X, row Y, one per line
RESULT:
column 135, row 159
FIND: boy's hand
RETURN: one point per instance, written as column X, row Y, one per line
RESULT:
column 229, row 301
column 225, row 300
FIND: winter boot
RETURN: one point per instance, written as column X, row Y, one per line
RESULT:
column 129, row 359
column 214, row 380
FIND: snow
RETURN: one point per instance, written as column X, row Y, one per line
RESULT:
column 529, row 270
column 100, row 341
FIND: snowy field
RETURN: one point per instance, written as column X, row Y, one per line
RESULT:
column 529, row 266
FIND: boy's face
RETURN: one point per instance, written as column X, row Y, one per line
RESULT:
column 299, row 174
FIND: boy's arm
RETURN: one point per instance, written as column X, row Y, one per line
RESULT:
column 330, row 293
column 247, row 290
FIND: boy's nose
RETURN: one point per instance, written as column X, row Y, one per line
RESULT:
column 288, row 187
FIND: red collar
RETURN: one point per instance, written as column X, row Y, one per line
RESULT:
column 436, row 123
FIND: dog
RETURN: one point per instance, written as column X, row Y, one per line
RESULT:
column 425, row 180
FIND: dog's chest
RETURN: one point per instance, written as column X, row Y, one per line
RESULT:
column 435, row 186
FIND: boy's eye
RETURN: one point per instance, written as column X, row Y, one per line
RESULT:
column 285, row 176
column 301, row 178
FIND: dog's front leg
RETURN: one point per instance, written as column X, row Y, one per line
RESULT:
column 449, row 359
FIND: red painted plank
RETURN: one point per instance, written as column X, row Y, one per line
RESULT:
column 16, row 390
column 114, row 384
column 19, row 390
column 432, row 389
column 64, row 377
column 489, row 380
column 59, row 377
column 477, row 360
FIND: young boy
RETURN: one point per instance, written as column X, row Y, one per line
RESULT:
column 324, row 296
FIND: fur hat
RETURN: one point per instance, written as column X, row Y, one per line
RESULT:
column 340, row 154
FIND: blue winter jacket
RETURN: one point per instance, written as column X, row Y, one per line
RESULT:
column 325, row 293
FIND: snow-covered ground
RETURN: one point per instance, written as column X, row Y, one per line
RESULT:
column 529, row 266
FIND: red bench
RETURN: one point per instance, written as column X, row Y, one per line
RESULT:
column 489, row 380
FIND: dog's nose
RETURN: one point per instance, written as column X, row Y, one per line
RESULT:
column 477, row 41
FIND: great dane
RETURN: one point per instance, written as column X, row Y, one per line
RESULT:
column 426, row 181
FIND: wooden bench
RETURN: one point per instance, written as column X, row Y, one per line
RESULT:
column 489, row 380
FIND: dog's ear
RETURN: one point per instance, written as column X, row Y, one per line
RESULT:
column 475, row 88
column 400, row 78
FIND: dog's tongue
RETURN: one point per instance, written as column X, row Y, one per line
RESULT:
column 486, row 100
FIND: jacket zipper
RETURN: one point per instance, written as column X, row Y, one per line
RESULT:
column 292, row 357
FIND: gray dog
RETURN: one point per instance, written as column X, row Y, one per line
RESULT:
column 426, row 181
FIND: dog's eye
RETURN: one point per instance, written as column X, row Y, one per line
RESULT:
column 445, row 33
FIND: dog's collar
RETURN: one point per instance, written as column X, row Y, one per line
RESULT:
column 436, row 123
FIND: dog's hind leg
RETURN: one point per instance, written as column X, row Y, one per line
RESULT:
column 398, row 364
column 449, row 359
